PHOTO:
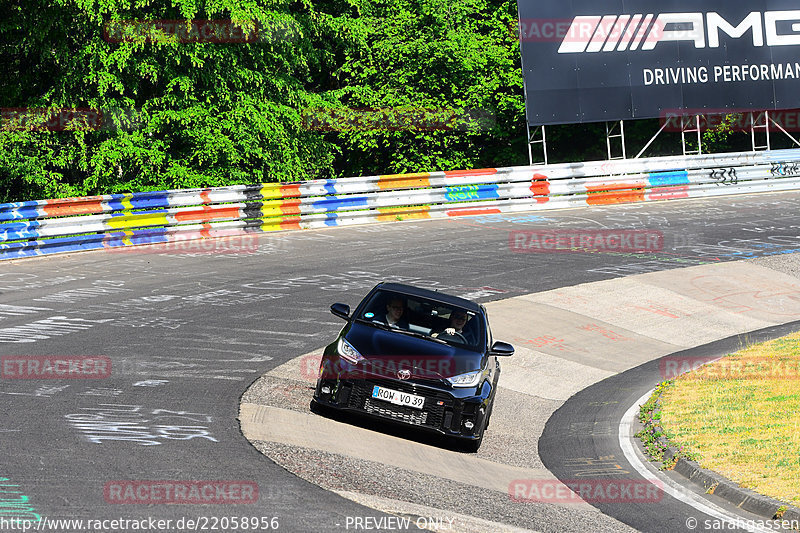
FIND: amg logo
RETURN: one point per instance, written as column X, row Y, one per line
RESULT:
column 629, row 32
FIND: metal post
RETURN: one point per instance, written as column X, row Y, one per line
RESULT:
column 699, row 138
column 653, row 138
column 753, row 127
column 533, row 140
column 611, row 135
column 795, row 141
column 766, row 123
column 528, row 137
column 686, row 128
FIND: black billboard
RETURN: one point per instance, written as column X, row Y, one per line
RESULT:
column 598, row 60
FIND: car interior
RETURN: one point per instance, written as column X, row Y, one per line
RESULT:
column 423, row 316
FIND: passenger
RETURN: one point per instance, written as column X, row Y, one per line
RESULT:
column 395, row 308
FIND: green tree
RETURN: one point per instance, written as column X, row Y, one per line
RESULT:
column 460, row 56
column 204, row 113
column 179, row 113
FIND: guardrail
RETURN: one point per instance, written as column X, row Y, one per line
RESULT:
column 86, row 223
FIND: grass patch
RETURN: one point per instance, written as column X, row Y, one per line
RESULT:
column 740, row 416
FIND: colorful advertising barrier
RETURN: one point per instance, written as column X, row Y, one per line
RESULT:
column 122, row 220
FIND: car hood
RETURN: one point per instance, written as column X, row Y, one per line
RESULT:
column 389, row 351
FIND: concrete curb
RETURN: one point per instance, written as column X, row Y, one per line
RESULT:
column 717, row 484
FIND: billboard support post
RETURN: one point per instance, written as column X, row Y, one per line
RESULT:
column 652, row 139
column 686, row 127
column 538, row 137
column 754, row 126
column 777, row 125
column 611, row 135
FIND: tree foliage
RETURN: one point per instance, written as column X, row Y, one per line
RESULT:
column 179, row 113
column 436, row 55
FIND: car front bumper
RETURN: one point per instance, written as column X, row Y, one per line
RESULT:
column 443, row 412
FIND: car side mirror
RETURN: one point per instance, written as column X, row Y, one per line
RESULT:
column 341, row 310
column 501, row 348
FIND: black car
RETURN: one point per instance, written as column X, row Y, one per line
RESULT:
column 417, row 357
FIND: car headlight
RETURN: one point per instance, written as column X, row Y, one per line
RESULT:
column 348, row 353
column 470, row 379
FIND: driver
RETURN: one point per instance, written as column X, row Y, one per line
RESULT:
column 458, row 319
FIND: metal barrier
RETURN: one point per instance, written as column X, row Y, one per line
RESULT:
column 73, row 224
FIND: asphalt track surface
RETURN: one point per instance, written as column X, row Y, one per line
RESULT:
column 188, row 332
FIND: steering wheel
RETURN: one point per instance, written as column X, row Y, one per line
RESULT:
column 457, row 336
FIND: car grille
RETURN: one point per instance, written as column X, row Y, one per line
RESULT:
column 431, row 415
column 417, row 417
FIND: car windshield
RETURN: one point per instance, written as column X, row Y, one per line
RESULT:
column 423, row 317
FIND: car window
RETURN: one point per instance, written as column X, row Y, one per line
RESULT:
column 426, row 317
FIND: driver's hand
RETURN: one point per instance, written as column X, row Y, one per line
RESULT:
column 450, row 331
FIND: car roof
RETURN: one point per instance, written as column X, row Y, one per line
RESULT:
column 410, row 290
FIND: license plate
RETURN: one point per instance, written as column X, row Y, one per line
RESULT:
column 397, row 397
